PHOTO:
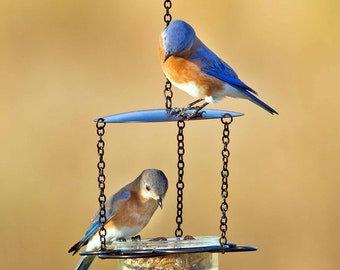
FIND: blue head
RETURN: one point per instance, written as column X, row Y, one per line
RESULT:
column 178, row 38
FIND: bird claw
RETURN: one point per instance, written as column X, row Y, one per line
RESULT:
column 136, row 238
column 197, row 113
column 189, row 237
column 177, row 111
column 183, row 112
column 121, row 239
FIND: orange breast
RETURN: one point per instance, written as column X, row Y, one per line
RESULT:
column 134, row 212
column 181, row 71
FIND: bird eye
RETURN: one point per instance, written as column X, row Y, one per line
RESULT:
column 148, row 188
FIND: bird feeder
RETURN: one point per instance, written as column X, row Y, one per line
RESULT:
column 180, row 251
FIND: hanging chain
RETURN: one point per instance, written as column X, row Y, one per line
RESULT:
column 180, row 183
column 226, row 120
column 167, row 15
column 101, row 182
column 168, row 94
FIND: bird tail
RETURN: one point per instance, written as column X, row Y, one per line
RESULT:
column 259, row 102
column 75, row 248
column 85, row 262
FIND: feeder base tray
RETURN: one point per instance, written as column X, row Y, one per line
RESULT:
column 150, row 248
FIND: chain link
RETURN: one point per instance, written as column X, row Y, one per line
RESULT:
column 167, row 16
column 101, row 182
column 180, row 183
column 226, row 121
column 168, row 94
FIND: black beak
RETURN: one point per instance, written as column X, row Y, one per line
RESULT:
column 167, row 55
column 160, row 202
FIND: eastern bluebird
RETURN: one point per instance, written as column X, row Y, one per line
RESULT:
column 127, row 212
column 194, row 68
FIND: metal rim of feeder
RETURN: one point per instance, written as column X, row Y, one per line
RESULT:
column 149, row 248
column 161, row 115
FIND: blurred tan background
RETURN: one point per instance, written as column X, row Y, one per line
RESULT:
column 65, row 63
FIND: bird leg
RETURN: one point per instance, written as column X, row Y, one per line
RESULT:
column 182, row 112
column 190, row 105
column 197, row 111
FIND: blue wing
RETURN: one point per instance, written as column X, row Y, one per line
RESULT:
column 212, row 65
column 111, row 205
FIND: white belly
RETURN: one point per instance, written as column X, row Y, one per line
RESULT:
column 192, row 89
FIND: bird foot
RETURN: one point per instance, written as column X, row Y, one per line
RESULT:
column 136, row 238
column 121, row 239
column 188, row 112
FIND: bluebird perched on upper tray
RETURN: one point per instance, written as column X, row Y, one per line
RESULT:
column 194, row 68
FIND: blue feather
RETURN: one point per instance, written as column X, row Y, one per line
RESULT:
column 212, row 65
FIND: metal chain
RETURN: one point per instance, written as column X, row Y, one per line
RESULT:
column 101, row 182
column 167, row 16
column 180, row 183
column 226, row 120
column 168, row 94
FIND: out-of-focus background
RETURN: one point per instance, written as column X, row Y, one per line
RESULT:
column 65, row 63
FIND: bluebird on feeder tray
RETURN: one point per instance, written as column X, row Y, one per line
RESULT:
column 127, row 212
